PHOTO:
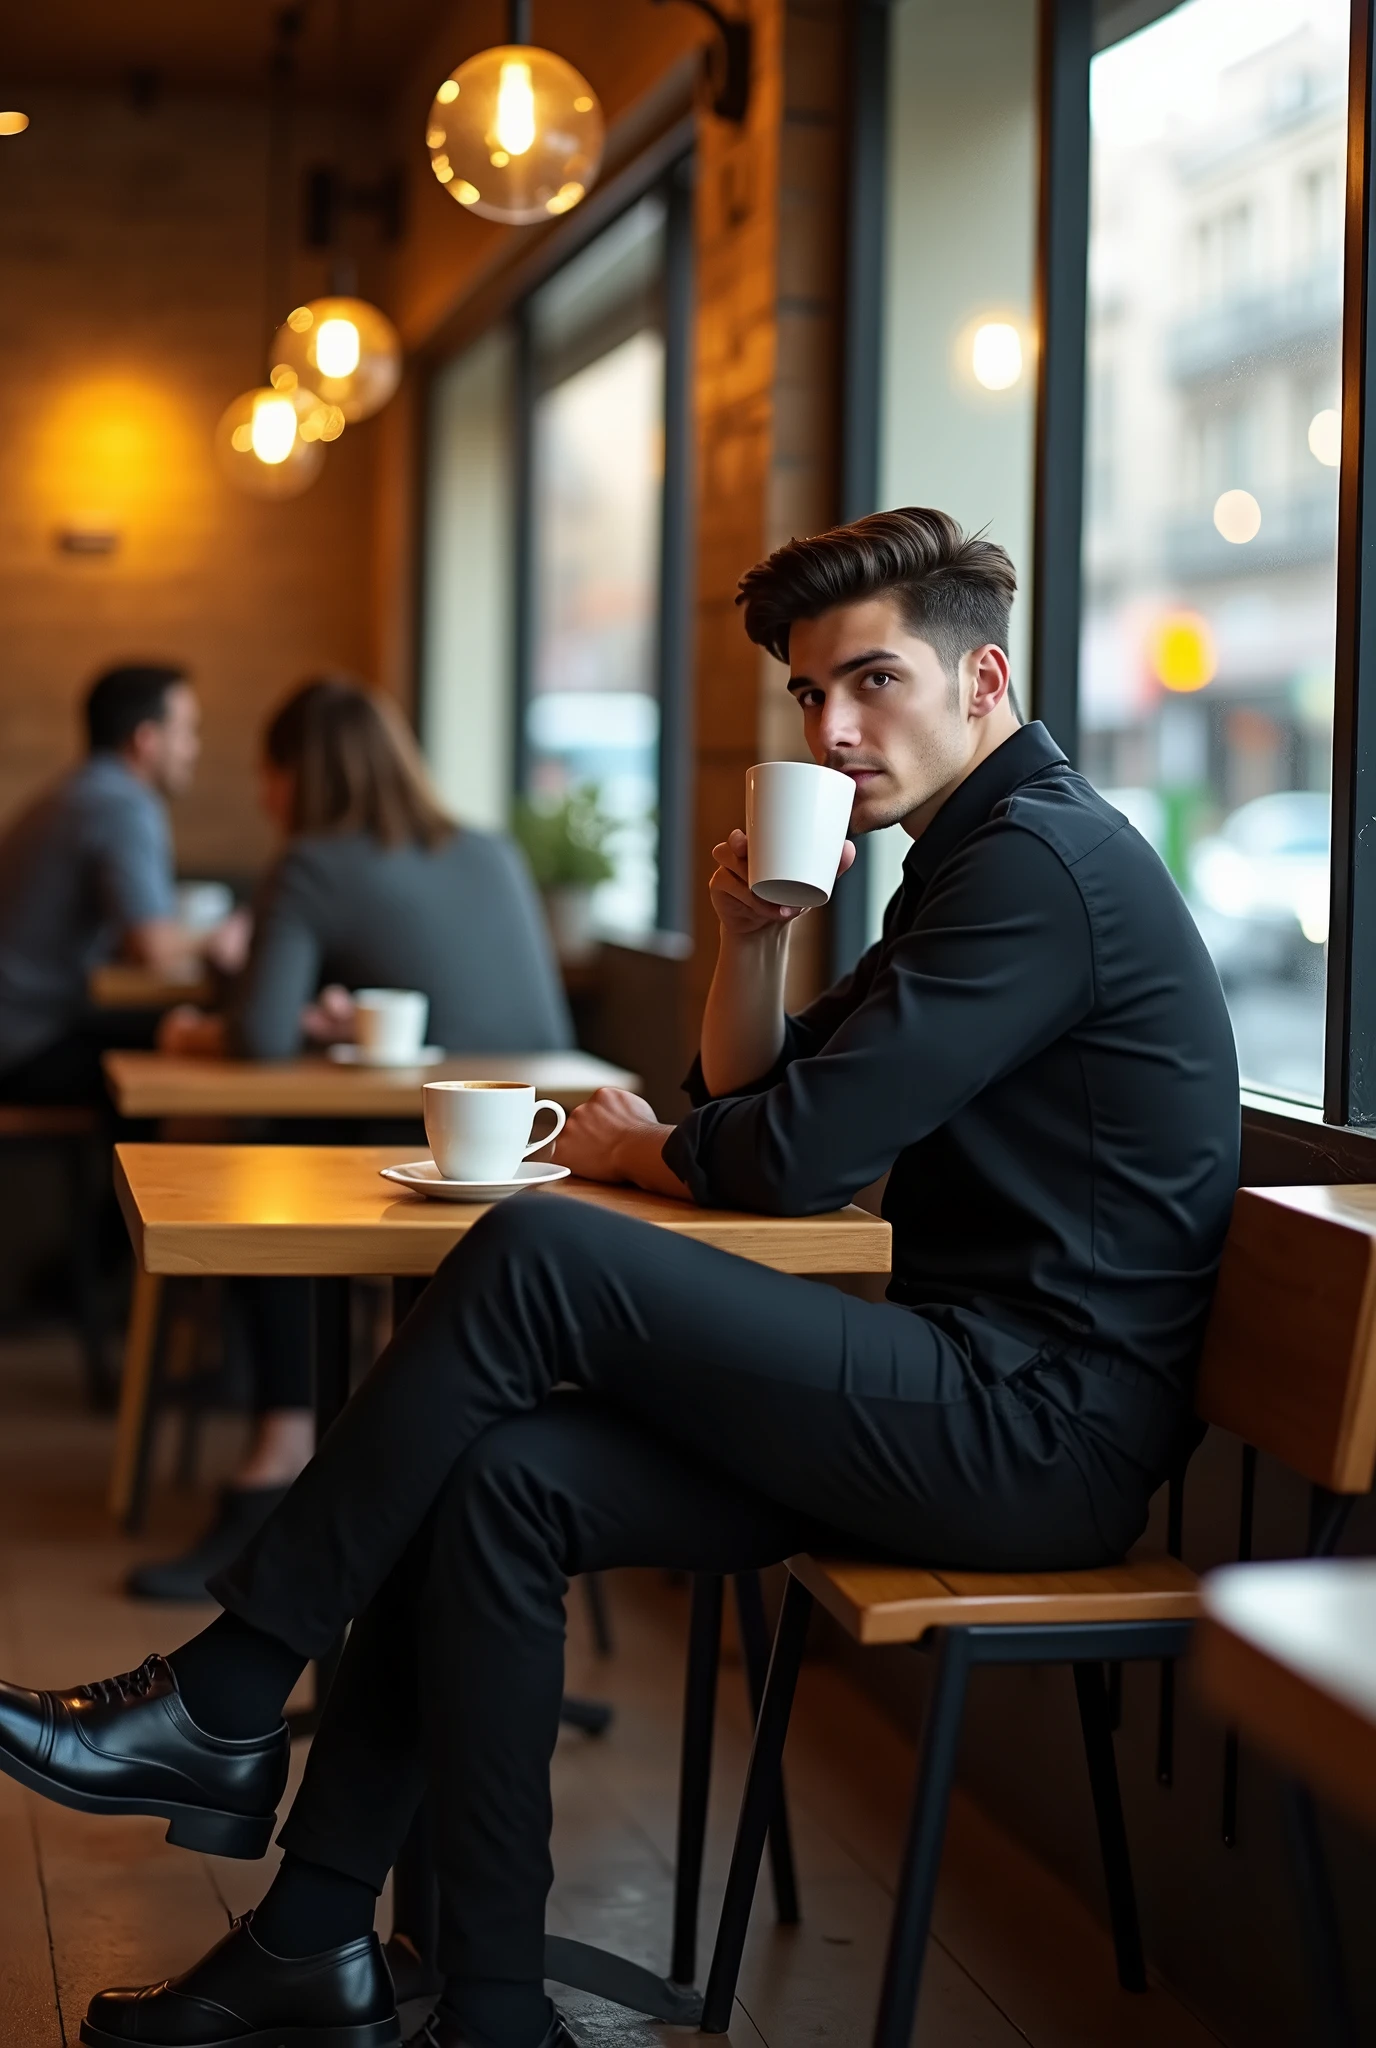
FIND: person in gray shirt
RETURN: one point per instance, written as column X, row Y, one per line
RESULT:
column 86, row 874
column 376, row 887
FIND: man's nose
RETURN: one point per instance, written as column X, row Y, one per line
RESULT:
column 838, row 728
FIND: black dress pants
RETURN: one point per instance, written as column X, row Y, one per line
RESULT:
column 575, row 1391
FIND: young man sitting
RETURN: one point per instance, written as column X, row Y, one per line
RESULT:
column 1037, row 1052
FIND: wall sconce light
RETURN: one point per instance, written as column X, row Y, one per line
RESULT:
column 516, row 133
column 13, row 123
column 728, row 62
column 996, row 355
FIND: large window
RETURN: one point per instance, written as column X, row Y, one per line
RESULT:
column 1212, row 422
column 555, row 617
column 467, row 617
column 959, row 262
column 592, row 702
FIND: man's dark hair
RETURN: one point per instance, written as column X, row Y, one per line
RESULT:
column 123, row 699
column 954, row 590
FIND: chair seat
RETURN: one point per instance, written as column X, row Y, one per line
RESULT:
column 62, row 1120
column 881, row 1603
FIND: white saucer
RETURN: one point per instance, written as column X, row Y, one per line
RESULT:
column 353, row 1056
column 423, row 1177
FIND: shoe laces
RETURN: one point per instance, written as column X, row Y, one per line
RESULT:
column 126, row 1686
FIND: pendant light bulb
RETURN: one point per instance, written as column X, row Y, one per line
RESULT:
column 337, row 348
column 344, row 350
column 270, row 442
column 515, row 123
column 272, row 429
column 516, row 134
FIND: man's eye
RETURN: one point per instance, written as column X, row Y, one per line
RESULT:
column 810, row 699
column 880, row 678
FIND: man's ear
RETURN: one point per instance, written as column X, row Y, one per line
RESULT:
column 989, row 672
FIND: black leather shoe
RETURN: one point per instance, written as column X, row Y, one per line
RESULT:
column 442, row 2033
column 240, row 1996
column 128, row 1745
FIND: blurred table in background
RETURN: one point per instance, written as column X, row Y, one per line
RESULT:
column 123, row 986
column 154, row 1084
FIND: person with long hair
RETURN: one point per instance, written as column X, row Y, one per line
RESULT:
column 376, row 886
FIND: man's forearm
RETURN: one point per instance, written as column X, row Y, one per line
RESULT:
column 743, row 1022
column 639, row 1160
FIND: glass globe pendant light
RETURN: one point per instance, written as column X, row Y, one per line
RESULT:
column 271, row 442
column 345, row 350
column 516, row 133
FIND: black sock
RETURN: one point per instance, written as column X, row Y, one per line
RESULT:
column 234, row 1678
column 309, row 1909
column 492, row 2013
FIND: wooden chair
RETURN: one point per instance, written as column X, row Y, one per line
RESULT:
column 1289, row 1365
column 74, row 1131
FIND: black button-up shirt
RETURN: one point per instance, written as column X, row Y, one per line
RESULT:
column 1038, row 1052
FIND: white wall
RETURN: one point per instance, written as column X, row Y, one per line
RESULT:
column 961, row 246
column 467, row 693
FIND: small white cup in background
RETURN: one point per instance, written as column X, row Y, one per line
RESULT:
column 389, row 1024
column 480, row 1130
column 796, row 819
column 203, row 905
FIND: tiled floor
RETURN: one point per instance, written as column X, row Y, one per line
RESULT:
column 85, row 1903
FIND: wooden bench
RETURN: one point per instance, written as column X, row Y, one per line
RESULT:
column 1289, row 1365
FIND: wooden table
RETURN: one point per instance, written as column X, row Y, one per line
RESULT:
column 1287, row 1654
column 155, row 1084
column 324, row 1210
column 122, row 986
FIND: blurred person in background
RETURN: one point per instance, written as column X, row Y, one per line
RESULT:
column 378, row 887
column 87, row 877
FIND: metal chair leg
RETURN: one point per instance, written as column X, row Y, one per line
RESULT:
column 415, row 1887
column 755, row 1653
column 1108, row 1813
column 89, row 1173
column 757, row 1807
column 912, row 1910
column 695, row 1773
column 595, row 1593
column 1338, row 2029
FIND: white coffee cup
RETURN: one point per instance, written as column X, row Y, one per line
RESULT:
column 389, row 1024
column 480, row 1130
column 796, row 819
column 203, row 905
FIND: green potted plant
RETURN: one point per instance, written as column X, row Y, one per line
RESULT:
column 565, row 843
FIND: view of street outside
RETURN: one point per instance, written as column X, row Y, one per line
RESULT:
column 1212, row 445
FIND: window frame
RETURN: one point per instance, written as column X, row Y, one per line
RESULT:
column 1283, row 1139
column 673, row 625
column 667, row 166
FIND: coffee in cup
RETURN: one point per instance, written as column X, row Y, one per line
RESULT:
column 480, row 1130
column 796, row 819
column 389, row 1024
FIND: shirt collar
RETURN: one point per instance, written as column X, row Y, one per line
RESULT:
column 1029, row 750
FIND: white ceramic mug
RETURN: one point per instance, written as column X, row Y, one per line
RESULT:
column 389, row 1024
column 203, row 905
column 480, row 1130
column 796, row 819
